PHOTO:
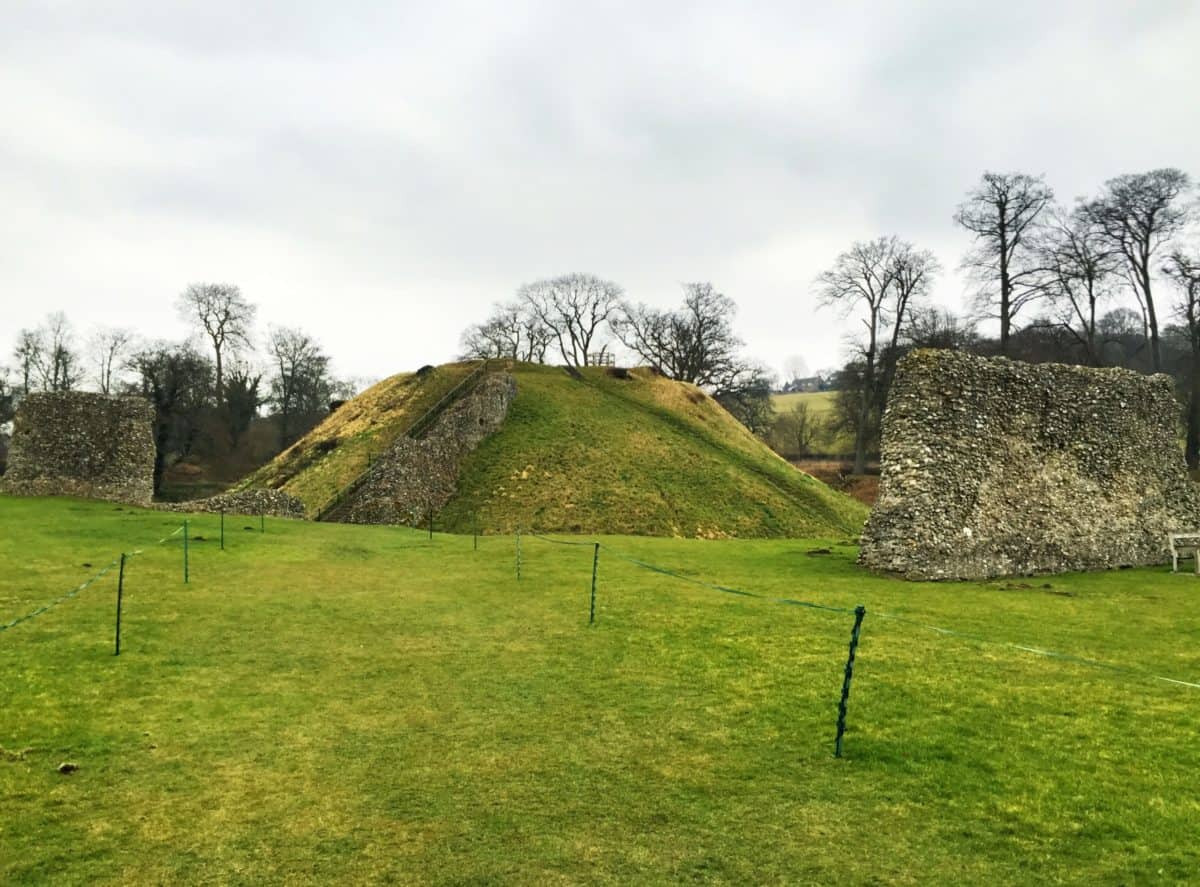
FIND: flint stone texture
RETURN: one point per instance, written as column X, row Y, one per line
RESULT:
column 417, row 476
column 75, row 443
column 992, row 467
column 275, row 503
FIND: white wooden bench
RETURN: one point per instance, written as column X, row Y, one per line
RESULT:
column 1185, row 545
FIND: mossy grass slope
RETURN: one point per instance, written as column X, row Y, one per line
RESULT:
column 596, row 452
column 587, row 451
column 327, row 459
column 344, row 704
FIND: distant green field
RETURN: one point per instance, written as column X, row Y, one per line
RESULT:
column 820, row 405
column 819, row 402
column 329, row 703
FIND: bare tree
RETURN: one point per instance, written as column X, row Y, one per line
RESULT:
column 1003, row 213
column 220, row 312
column 940, row 328
column 177, row 381
column 695, row 343
column 1137, row 214
column 57, row 362
column 745, row 393
column 29, row 353
column 109, row 349
column 300, row 383
column 912, row 278
column 512, row 331
column 1079, row 267
column 796, row 431
column 1184, row 271
column 6, row 399
column 575, row 308
column 883, row 280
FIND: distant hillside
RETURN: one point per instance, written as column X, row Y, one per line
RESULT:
column 820, row 406
column 589, row 452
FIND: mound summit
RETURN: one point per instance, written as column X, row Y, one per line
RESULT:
column 526, row 445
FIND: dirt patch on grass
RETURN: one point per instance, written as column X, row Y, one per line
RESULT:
column 837, row 473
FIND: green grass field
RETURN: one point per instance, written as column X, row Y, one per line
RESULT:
column 341, row 704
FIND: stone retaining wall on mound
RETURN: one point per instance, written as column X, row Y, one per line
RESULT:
column 255, row 501
column 415, row 477
column 75, row 443
column 992, row 467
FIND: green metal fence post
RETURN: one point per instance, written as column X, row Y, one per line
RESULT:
column 859, row 612
column 518, row 552
column 185, row 551
column 222, row 529
column 431, row 525
column 475, row 529
column 595, row 568
column 120, row 591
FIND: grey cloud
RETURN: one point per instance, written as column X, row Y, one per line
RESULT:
column 410, row 165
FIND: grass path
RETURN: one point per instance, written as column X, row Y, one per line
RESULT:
column 328, row 703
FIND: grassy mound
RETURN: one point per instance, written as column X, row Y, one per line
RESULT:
column 592, row 451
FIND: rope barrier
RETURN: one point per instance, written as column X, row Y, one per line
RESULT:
column 1037, row 651
column 74, row 592
column 557, row 541
column 176, row 532
column 726, row 589
column 66, row 597
column 1025, row 648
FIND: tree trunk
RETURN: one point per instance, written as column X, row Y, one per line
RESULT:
column 1093, row 356
column 1152, row 318
column 220, row 378
column 864, row 414
column 1192, row 444
column 1005, row 287
column 162, row 433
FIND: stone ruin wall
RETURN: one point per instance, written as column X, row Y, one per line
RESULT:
column 76, row 443
column 992, row 467
column 415, row 477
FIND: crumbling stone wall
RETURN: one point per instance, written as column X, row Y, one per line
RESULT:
column 415, row 477
column 255, row 500
column 76, row 443
column 992, row 467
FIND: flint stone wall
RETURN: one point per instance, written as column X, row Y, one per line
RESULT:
column 255, row 501
column 992, row 467
column 415, row 477
column 75, row 443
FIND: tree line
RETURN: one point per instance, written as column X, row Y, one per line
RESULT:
column 1110, row 280
column 207, row 390
column 581, row 318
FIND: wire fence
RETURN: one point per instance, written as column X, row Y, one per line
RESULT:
column 858, row 612
column 1112, row 667
column 75, row 592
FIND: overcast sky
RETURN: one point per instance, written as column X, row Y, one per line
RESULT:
column 380, row 173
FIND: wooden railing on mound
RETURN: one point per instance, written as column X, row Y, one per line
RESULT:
column 336, row 507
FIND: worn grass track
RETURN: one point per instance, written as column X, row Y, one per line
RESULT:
column 327, row 703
